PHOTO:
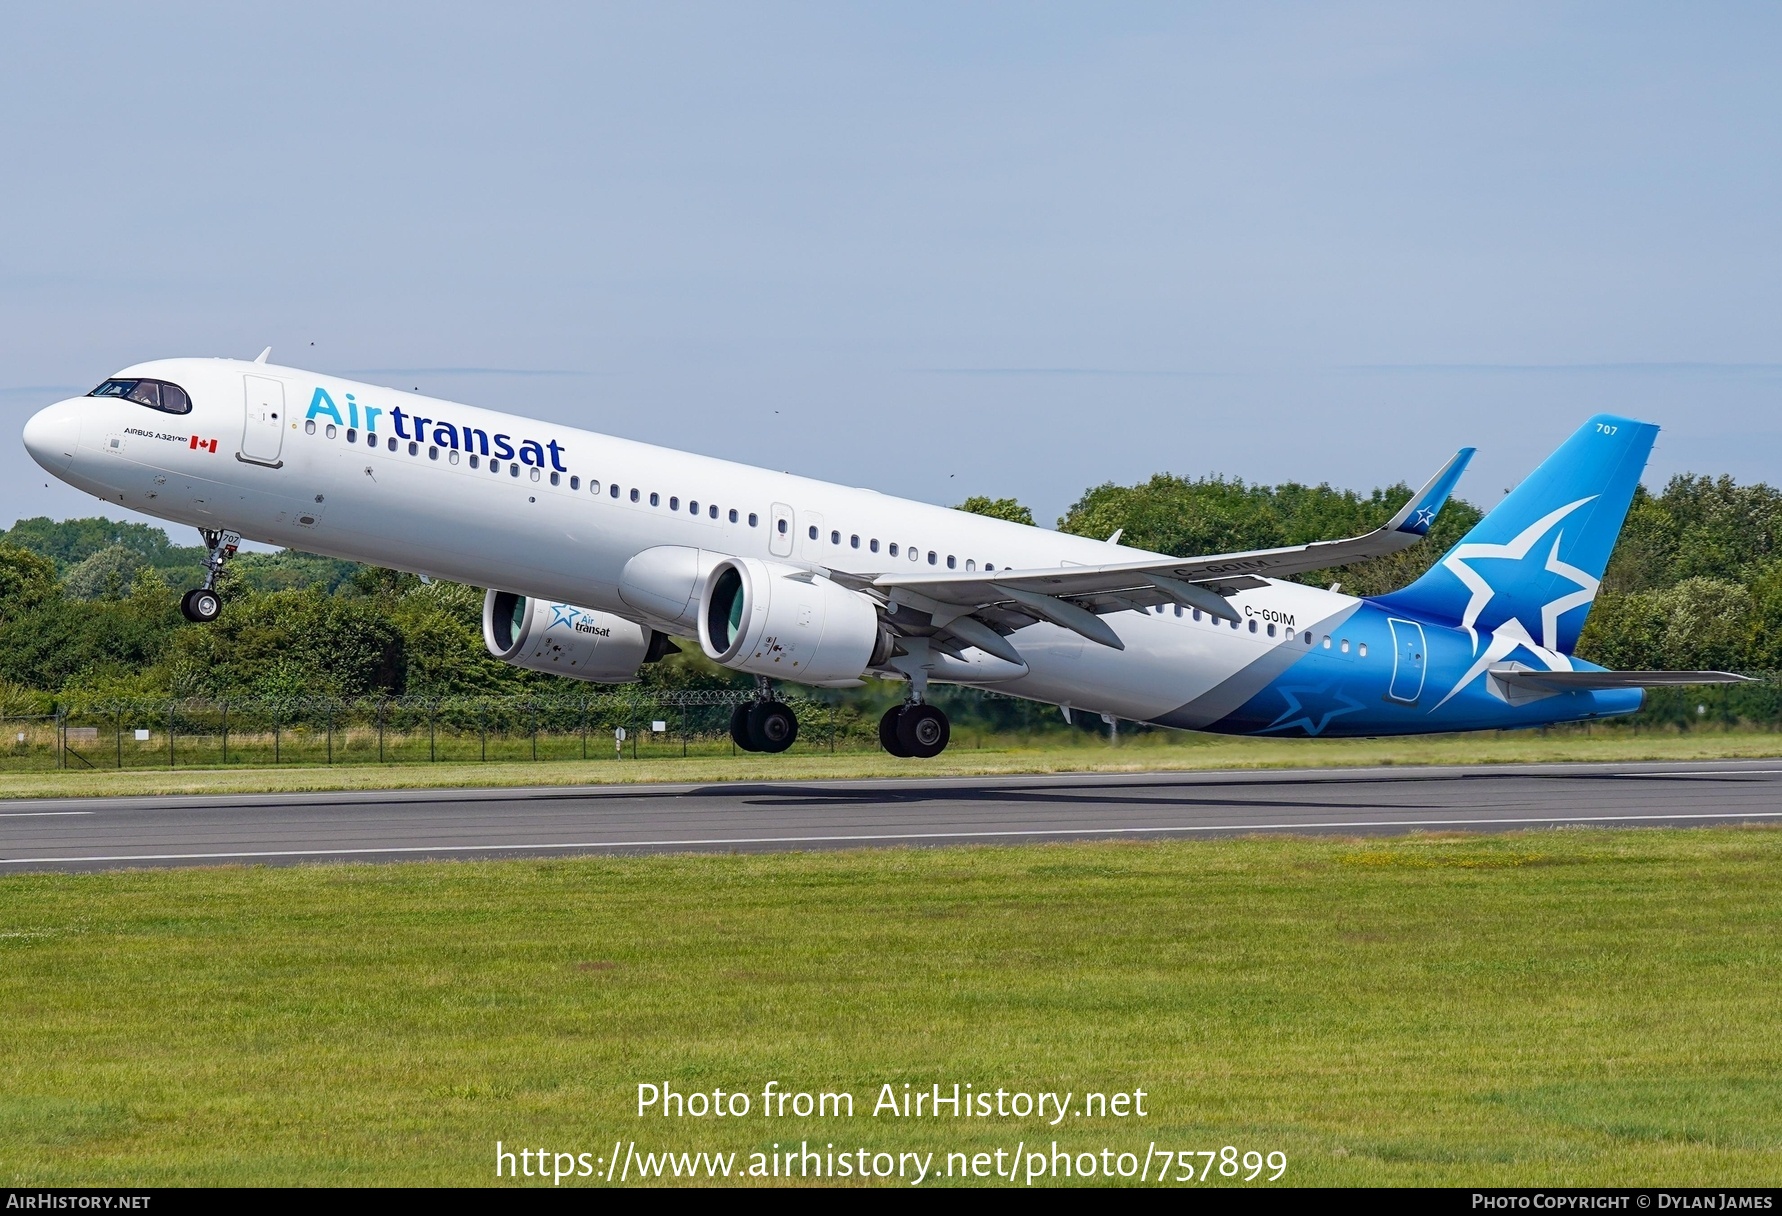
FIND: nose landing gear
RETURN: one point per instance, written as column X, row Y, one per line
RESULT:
column 202, row 604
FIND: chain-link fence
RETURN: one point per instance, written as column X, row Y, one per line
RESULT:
column 631, row 724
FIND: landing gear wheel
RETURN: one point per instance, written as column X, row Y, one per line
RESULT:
column 888, row 733
column 773, row 727
column 201, row 605
column 923, row 731
column 739, row 728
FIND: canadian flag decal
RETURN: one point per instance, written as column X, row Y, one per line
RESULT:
column 204, row 445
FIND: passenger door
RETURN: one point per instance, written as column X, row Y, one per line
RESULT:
column 263, row 427
column 1407, row 660
column 779, row 536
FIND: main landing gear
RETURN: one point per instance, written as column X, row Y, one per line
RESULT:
column 917, row 730
column 203, row 604
column 766, row 725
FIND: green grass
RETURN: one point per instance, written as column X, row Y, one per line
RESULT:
column 1159, row 752
column 1564, row 1007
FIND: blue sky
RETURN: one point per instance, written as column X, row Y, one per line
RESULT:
column 933, row 249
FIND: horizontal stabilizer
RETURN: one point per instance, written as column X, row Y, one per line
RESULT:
column 1577, row 681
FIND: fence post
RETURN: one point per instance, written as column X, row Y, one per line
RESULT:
column 432, row 724
column 170, row 728
column 225, row 732
column 330, row 733
column 275, row 726
column 380, row 731
column 482, row 729
column 117, row 728
column 61, row 741
column 532, row 712
column 832, row 730
column 584, row 728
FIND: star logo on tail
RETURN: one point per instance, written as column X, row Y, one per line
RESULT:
column 1512, row 633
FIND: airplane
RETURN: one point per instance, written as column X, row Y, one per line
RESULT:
column 597, row 551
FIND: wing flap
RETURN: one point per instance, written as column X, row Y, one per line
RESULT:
column 1575, row 681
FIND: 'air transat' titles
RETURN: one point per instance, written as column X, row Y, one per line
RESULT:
column 439, row 432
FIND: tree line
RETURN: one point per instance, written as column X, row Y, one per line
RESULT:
column 91, row 606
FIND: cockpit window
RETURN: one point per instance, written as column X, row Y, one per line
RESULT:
column 156, row 394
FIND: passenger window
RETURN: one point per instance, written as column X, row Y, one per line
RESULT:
column 693, row 507
column 1345, row 645
column 1271, row 631
column 1327, row 641
column 494, row 466
column 556, row 480
column 392, row 445
column 970, row 564
column 309, row 426
column 915, row 554
column 893, row 548
column 835, row 538
column 931, row 557
column 1178, row 611
column 513, row 470
column 813, row 532
column 674, row 502
column 712, row 512
column 655, row 499
column 474, row 458
column 1307, row 637
column 781, row 525
column 413, row 447
column 452, row 458
column 1197, row 614
column 753, row 519
column 432, row 452
column 733, row 516
column 352, row 435
column 331, row 431
column 635, row 494
column 1234, row 624
column 853, row 542
column 952, row 562
column 1253, row 630
column 988, row 566
column 575, row 483
column 873, row 544
column 1361, row 649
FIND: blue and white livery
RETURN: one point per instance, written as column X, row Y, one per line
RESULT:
column 598, row 551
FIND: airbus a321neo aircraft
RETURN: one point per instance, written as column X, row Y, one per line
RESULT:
column 598, row 550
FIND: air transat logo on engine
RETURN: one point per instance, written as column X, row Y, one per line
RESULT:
column 439, row 432
column 576, row 619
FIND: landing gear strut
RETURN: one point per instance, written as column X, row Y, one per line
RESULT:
column 203, row 604
column 915, row 729
column 766, row 725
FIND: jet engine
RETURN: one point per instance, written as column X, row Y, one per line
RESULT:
column 773, row 620
column 565, row 640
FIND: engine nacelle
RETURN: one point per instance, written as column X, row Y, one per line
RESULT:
column 773, row 620
column 565, row 640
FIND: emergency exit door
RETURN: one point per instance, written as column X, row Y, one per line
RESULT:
column 1408, row 660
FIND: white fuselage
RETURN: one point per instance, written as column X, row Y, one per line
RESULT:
column 545, row 520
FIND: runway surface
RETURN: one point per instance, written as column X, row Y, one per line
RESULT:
column 398, row 825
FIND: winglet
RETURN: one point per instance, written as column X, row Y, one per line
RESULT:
column 1420, row 512
column 262, row 356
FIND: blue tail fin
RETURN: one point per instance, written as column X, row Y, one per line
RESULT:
column 1538, row 556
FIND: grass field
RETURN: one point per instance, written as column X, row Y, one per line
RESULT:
column 1576, row 1007
column 1157, row 752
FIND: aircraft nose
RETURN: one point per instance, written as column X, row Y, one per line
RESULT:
column 52, row 435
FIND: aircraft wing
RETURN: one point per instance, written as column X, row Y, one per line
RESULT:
column 971, row 604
